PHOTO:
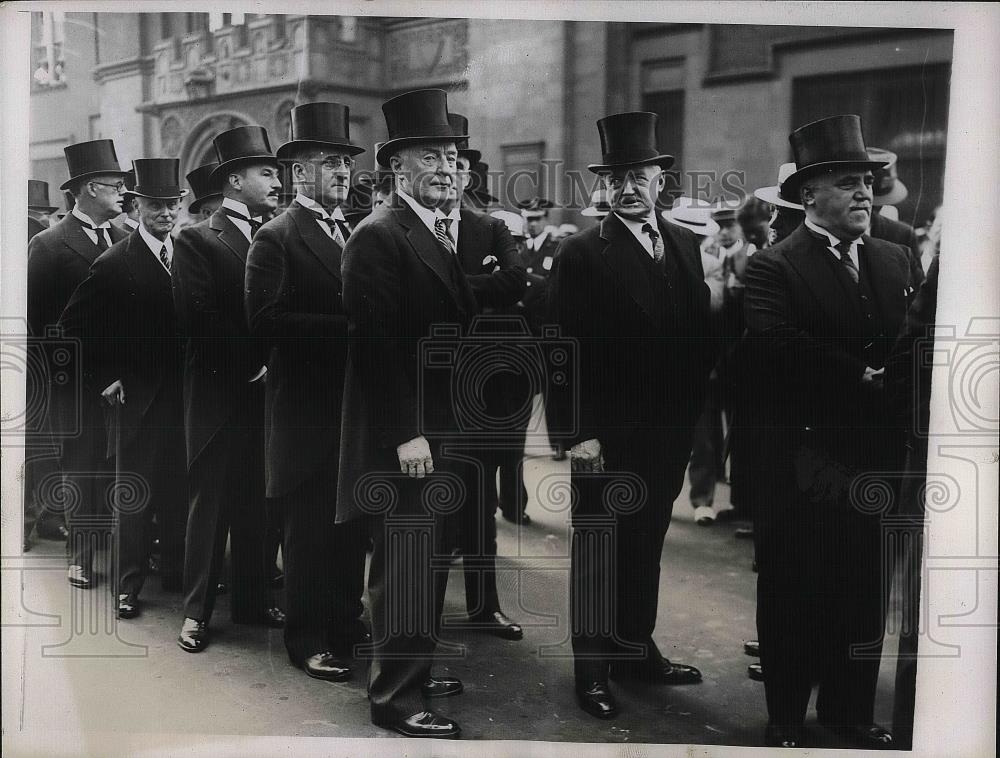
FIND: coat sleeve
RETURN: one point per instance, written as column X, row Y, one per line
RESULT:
column 268, row 310
column 195, row 300
column 89, row 318
column 504, row 287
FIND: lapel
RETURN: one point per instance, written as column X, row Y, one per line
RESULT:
column 425, row 245
column 688, row 257
column 805, row 254
column 323, row 247
column 77, row 240
column 884, row 284
column 230, row 236
column 473, row 242
column 635, row 281
column 146, row 270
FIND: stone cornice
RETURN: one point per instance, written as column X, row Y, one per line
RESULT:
column 118, row 69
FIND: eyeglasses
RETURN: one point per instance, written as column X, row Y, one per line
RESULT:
column 336, row 162
column 118, row 187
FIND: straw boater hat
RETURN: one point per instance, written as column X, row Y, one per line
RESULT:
column 830, row 144
column 415, row 118
column 94, row 158
column 887, row 188
column 158, row 178
column 536, row 207
column 693, row 216
column 775, row 194
column 514, row 222
column 599, row 205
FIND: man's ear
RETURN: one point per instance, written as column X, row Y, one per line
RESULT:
column 235, row 181
column 807, row 195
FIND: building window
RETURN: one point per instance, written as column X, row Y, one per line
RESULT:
column 521, row 167
column 278, row 30
column 669, row 106
column 904, row 110
column 49, row 36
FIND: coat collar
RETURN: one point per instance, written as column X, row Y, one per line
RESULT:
column 323, row 247
column 424, row 243
column 143, row 265
column 77, row 240
column 230, row 236
column 805, row 253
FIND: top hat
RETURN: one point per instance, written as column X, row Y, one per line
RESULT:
column 535, row 207
column 201, row 183
column 94, row 158
column 239, row 146
column 629, row 139
column 38, row 196
column 416, row 117
column 323, row 125
column 460, row 125
column 887, row 188
column 693, row 216
column 776, row 193
column 478, row 183
column 158, row 178
column 826, row 145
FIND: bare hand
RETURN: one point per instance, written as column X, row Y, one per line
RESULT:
column 872, row 375
column 114, row 393
column 415, row 458
column 587, row 456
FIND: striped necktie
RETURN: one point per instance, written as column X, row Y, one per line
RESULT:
column 164, row 258
column 844, row 248
column 657, row 241
column 442, row 229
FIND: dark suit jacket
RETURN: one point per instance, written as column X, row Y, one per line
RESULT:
column 398, row 284
column 536, row 295
column 639, row 370
column 293, row 304
column 902, row 234
column 123, row 313
column 481, row 236
column 208, row 273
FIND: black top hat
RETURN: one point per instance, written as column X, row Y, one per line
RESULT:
column 887, row 187
column 201, row 183
column 479, row 184
column 129, row 180
column 629, row 139
column 320, row 125
column 415, row 117
column 831, row 143
column 235, row 147
column 92, row 158
column 158, row 178
column 460, row 125
column 38, row 196
column 535, row 206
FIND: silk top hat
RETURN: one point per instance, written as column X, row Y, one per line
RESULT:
column 774, row 194
column 38, row 196
column 240, row 146
column 200, row 180
column 887, row 188
column 478, row 183
column 460, row 125
column 320, row 125
column 693, row 216
column 86, row 159
column 129, row 180
column 629, row 139
column 830, row 144
column 535, row 207
column 416, row 117
column 158, row 178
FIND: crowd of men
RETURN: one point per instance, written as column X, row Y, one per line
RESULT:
column 284, row 371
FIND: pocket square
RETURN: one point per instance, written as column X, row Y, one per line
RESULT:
column 490, row 259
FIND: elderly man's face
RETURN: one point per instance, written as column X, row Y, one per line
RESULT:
column 427, row 172
column 633, row 191
column 840, row 202
column 323, row 176
column 158, row 216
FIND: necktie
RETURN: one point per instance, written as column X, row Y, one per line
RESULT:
column 164, row 258
column 338, row 229
column 442, row 228
column 844, row 248
column 103, row 243
column 254, row 223
column 657, row 242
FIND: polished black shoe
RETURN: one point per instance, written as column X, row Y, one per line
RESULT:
column 274, row 618
column 327, row 666
column 52, row 531
column 659, row 671
column 782, row 736
column 524, row 519
column 867, row 736
column 194, row 636
column 498, row 625
column 424, row 724
column 752, row 647
column 79, row 577
column 442, row 686
column 756, row 672
column 128, row 606
column 597, row 700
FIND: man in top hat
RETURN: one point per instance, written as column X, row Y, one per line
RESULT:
column 888, row 190
column 293, row 303
column 124, row 314
column 130, row 221
column 632, row 293
column 402, row 276
column 487, row 254
column 58, row 260
column 477, row 193
column 206, row 196
column 822, row 308
column 223, row 386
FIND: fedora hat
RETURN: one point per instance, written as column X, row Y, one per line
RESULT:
column 158, row 178
column 322, row 125
column 887, row 188
column 94, row 158
column 239, row 146
column 38, row 196
column 416, row 117
column 200, row 181
column 460, row 125
column 829, row 144
column 773, row 194
column 629, row 139
column 693, row 216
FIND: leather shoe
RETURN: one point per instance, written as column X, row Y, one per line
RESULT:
column 441, row 687
column 752, row 647
column 424, row 724
column 498, row 625
column 274, row 618
column 782, row 736
column 326, row 666
column 51, row 531
column 194, row 636
column 756, row 672
column 128, row 606
column 867, row 736
column 597, row 700
column 659, row 671
column 524, row 519
column 78, row 576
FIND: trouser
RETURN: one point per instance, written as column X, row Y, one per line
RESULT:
column 706, row 466
column 324, row 566
column 41, row 474
column 226, row 488
column 88, row 479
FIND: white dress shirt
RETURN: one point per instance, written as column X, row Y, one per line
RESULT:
column 236, row 205
column 636, row 228
column 89, row 222
column 156, row 245
column 535, row 243
column 337, row 215
column 131, row 223
column 853, row 252
column 430, row 215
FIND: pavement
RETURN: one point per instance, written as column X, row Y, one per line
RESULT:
column 85, row 671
